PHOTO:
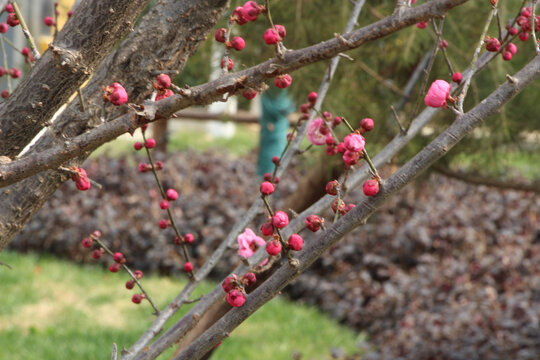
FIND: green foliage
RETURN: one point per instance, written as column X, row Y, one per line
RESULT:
column 52, row 309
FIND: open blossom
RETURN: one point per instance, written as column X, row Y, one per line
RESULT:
column 437, row 94
column 248, row 242
column 115, row 93
column 315, row 136
column 354, row 142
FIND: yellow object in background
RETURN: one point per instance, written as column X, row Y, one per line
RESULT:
column 63, row 7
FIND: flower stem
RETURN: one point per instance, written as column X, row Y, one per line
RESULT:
column 26, row 32
column 128, row 270
column 169, row 212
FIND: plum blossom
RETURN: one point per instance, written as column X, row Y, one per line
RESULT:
column 437, row 94
column 315, row 136
column 248, row 242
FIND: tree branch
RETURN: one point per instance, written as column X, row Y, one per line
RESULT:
column 463, row 125
column 85, row 40
column 476, row 179
column 154, row 45
column 179, row 330
column 217, row 89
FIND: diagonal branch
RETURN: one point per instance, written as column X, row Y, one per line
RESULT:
column 476, row 179
column 217, row 89
column 176, row 332
column 463, row 125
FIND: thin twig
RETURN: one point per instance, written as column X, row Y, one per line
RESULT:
column 127, row 269
column 6, row 265
column 427, row 71
column 26, row 32
column 461, row 96
column 379, row 78
column 75, row 172
column 533, row 25
column 81, row 100
column 169, row 212
column 402, row 130
column 499, row 24
column 5, row 61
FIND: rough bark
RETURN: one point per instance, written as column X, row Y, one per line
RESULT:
column 79, row 47
column 164, row 39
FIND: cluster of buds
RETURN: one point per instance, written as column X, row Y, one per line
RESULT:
column 170, row 195
column 162, row 85
column 525, row 23
column 249, row 12
column 270, row 178
column 145, row 167
column 236, row 288
column 80, row 178
column 12, row 19
column 274, row 35
column 184, row 239
column 115, row 94
column 118, row 258
column 279, row 220
column 14, row 72
column 246, row 13
column 241, row 15
column 338, row 205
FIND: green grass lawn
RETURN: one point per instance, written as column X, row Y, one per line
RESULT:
column 53, row 309
column 244, row 141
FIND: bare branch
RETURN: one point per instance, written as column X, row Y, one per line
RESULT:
column 476, row 179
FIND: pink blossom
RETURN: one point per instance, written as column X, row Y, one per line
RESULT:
column 273, row 247
column 283, row 81
column 267, row 228
column 354, row 142
column 229, row 284
column 437, row 94
column 116, row 94
column 280, row 219
column 248, row 242
column 171, row 194
column 271, row 36
column 295, row 242
column 81, row 179
column 315, row 136
column 282, row 32
column 371, row 187
column 350, row 158
column 164, row 94
column 236, row 298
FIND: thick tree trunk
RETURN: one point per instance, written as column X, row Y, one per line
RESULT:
column 79, row 47
column 166, row 37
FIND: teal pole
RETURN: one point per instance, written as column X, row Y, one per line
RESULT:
column 276, row 106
